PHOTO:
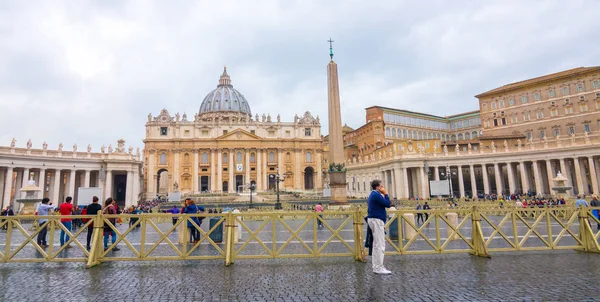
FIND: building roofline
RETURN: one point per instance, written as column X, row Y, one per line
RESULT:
column 445, row 118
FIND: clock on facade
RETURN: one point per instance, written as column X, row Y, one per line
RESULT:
column 239, row 167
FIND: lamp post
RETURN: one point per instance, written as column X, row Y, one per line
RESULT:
column 252, row 188
column 449, row 179
column 276, row 178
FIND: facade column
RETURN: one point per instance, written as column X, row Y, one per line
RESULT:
column 550, row 175
column 195, row 172
column 136, row 184
column 437, row 173
column 86, row 181
column 524, row 178
column 213, row 171
column 247, row 166
column 259, row 170
column 265, row 170
column 231, row 184
column 498, row 178
column 319, row 173
column 175, row 170
column 538, row 178
column 565, row 173
column 219, row 186
column 25, row 179
column 56, row 190
column 72, row 188
column 7, row 187
column 461, row 182
column 298, row 179
column 280, row 168
column 129, row 189
column 593, row 174
column 405, row 183
column 473, row 181
column 2, row 182
column 511, row 178
column 486, row 181
column 150, row 180
column 398, row 183
column 424, row 183
column 578, row 176
column 108, row 190
column 42, row 182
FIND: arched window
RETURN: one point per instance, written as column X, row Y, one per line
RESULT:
column 288, row 157
column 453, row 137
column 404, row 133
column 474, row 134
column 394, row 132
column 252, row 157
column 467, row 136
column 225, row 158
column 410, row 134
column 308, row 157
column 238, row 157
column 460, row 137
column 271, row 157
column 186, row 158
column 205, row 158
column 420, row 135
column 387, row 131
column 163, row 158
column 429, row 135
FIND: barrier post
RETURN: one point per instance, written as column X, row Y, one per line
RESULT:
column 97, row 247
column 479, row 248
column 8, row 239
column 228, row 238
column 586, row 234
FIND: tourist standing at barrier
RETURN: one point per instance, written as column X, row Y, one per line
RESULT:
column 92, row 210
column 426, row 207
column 378, row 201
column 66, row 209
column 580, row 202
column 192, row 208
column 419, row 215
column 174, row 210
column 43, row 210
column 596, row 203
column 319, row 209
column 110, row 209
column 7, row 212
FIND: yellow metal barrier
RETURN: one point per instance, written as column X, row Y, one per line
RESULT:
column 277, row 234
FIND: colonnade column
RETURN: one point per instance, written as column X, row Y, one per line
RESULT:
column 424, row 183
column 219, row 186
column 108, row 191
column 42, row 182
column 397, row 183
column 578, row 175
column 486, row 181
column 247, row 165
column 592, row 166
column 56, row 190
column 175, row 170
column 280, row 169
column 150, row 181
column 319, row 184
column 538, row 179
column 461, row 183
column 2, row 182
column 7, row 187
column 213, row 171
column 129, row 189
column 136, row 184
column 473, row 181
column 437, row 173
column 524, row 179
column 404, row 182
column 231, row 184
column 259, row 170
column 298, row 179
column 195, row 172
column 550, row 175
column 71, row 189
column 498, row 178
column 25, row 179
column 265, row 171
column 86, row 181
column 511, row 178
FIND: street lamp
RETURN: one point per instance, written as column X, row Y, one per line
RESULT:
column 252, row 187
column 276, row 178
column 449, row 179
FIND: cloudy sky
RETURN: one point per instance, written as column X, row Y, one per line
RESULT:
column 89, row 72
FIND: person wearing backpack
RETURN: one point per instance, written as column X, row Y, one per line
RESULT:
column 110, row 209
column 192, row 208
column 91, row 210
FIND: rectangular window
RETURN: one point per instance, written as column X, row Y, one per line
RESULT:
column 164, row 131
column 526, row 116
column 596, row 84
column 540, row 114
column 484, row 106
column 556, row 131
column 205, row 133
column 186, row 133
column 271, row 132
column 529, row 135
column 537, row 96
column 571, row 130
column 524, row 99
column 586, row 128
column 564, row 90
column 551, row 93
column 511, row 101
column 287, row 133
column 253, row 131
column 553, row 112
column 514, row 119
column 225, row 132
column 583, row 107
column 307, row 131
column 501, row 103
column 580, row 87
column 569, row 110
column 493, row 105
column 542, row 133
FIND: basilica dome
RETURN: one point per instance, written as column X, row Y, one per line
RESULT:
column 225, row 101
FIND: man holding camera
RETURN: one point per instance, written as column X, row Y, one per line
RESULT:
column 378, row 202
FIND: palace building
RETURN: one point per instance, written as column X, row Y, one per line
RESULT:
column 523, row 134
column 224, row 148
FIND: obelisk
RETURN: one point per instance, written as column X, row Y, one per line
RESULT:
column 337, row 170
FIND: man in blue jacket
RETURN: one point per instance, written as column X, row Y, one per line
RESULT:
column 378, row 202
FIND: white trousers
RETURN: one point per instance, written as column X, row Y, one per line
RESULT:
column 377, row 227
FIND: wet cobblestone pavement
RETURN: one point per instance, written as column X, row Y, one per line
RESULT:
column 530, row 276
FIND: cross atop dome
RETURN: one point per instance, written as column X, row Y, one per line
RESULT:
column 224, row 80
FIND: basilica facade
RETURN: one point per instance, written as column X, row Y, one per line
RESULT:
column 224, row 148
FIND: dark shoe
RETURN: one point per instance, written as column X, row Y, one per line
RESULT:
column 116, row 249
column 88, row 247
column 68, row 247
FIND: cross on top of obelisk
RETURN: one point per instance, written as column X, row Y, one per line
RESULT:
column 330, row 48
